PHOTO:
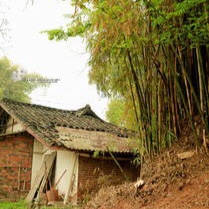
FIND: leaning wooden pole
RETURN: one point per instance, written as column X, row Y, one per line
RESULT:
column 117, row 163
column 70, row 179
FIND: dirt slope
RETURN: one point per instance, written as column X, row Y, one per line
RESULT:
column 170, row 183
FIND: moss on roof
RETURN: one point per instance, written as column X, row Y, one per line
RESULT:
column 42, row 121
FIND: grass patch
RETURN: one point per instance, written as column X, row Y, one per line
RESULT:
column 64, row 207
column 13, row 205
column 23, row 205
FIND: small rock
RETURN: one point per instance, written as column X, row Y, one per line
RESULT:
column 185, row 155
column 139, row 184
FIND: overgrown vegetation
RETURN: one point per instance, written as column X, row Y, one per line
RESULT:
column 154, row 55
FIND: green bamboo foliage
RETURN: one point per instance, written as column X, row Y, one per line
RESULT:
column 153, row 54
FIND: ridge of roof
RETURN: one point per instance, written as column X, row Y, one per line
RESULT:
column 86, row 110
column 5, row 100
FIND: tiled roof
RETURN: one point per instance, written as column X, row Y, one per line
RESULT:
column 77, row 130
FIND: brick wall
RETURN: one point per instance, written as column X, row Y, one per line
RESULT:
column 15, row 165
column 93, row 172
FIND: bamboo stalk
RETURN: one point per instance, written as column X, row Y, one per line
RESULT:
column 200, row 77
column 186, row 83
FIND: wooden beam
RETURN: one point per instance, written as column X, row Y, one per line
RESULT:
column 44, row 171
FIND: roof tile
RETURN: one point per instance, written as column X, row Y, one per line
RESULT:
column 80, row 130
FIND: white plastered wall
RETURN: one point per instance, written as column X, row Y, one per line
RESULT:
column 39, row 150
column 13, row 126
column 67, row 160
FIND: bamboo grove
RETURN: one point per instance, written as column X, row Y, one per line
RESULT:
column 152, row 53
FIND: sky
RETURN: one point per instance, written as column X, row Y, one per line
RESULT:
column 67, row 61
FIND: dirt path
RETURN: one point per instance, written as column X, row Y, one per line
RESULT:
column 170, row 183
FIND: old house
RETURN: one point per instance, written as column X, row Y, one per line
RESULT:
column 44, row 147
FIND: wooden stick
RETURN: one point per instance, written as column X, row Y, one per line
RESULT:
column 24, row 185
column 204, row 140
column 18, row 183
column 70, row 183
column 60, row 178
column 117, row 163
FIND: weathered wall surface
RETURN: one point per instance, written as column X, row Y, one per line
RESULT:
column 37, row 158
column 15, row 164
column 94, row 171
column 13, row 126
column 67, row 163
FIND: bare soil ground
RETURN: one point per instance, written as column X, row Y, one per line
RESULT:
column 170, row 183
